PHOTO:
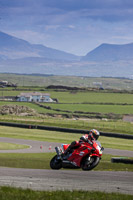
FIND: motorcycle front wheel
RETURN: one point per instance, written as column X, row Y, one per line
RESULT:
column 89, row 163
column 55, row 163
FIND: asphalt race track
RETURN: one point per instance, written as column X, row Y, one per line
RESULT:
column 37, row 179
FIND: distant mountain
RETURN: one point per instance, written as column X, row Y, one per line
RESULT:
column 15, row 48
column 110, row 52
column 19, row 56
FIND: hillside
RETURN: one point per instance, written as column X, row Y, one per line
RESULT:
column 110, row 52
column 15, row 48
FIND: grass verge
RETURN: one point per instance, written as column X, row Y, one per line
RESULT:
column 42, row 160
column 102, row 125
column 27, row 194
column 11, row 146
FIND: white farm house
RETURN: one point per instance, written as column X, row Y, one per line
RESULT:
column 34, row 97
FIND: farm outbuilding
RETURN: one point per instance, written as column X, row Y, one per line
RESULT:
column 34, row 97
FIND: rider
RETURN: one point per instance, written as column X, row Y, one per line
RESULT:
column 91, row 137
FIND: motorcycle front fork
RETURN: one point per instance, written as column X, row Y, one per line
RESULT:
column 89, row 160
column 59, row 152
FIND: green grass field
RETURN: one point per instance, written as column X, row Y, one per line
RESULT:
column 43, row 81
column 97, row 104
column 92, row 97
column 115, row 126
column 103, row 103
column 27, row 194
column 96, row 108
column 79, row 97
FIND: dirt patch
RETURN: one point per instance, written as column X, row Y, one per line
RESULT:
column 17, row 110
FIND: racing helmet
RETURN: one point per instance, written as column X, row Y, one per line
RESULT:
column 94, row 134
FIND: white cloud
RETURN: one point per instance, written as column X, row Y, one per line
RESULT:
column 71, row 26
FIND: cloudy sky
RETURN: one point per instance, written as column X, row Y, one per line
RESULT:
column 74, row 26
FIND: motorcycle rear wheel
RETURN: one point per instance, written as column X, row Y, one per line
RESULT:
column 90, row 164
column 55, row 163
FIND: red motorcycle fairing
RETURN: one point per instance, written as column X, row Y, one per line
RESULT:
column 64, row 146
column 78, row 154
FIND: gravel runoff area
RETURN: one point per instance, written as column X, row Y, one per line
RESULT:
column 107, row 181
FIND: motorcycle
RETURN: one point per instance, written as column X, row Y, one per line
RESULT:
column 86, row 156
